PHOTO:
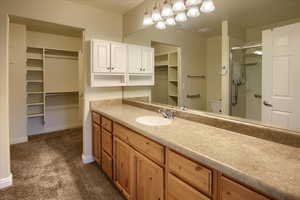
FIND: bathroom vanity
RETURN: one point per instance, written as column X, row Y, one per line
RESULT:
column 187, row 159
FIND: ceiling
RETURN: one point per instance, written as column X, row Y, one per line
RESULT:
column 47, row 27
column 246, row 13
column 118, row 6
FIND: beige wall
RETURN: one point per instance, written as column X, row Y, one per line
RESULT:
column 213, row 69
column 17, row 87
column 94, row 21
column 192, row 47
column 4, row 98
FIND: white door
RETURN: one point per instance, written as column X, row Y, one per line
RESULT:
column 101, row 56
column 280, row 72
column 135, row 59
column 147, row 60
column 118, row 57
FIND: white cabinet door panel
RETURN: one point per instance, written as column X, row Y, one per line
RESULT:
column 101, row 56
column 148, row 60
column 134, row 59
column 118, row 57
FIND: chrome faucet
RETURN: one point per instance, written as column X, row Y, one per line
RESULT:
column 167, row 113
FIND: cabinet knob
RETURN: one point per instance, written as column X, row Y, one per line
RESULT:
column 112, row 68
column 108, row 68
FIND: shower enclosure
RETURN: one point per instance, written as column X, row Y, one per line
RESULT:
column 246, row 81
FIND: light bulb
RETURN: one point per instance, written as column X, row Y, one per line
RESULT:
column 171, row 21
column 156, row 15
column 193, row 2
column 178, row 5
column 160, row 25
column 207, row 6
column 147, row 19
column 193, row 12
column 181, row 17
column 167, row 10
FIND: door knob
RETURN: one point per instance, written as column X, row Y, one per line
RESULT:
column 267, row 104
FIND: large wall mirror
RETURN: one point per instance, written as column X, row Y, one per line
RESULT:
column 232, row 58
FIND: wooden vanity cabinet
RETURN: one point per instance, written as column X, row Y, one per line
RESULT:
column 231, row 190
column 143, row 169
column 122, row 167
column 148, row 179
column 179, row 190
column 97, row 143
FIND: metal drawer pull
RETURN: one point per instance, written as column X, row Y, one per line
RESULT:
column 267, row 104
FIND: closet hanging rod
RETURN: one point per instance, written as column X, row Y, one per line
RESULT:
column 196, row 76
column 191, row 96
column 246, row 47
column 61, row 93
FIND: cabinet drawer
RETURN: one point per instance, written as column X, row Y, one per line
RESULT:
column 106, row 123
column 107, row 164
column 96, row 118
column 122, row 132
column 234, row 191
column 191, row 172
column 142, row 144
column 178, row 190
column 107, row 142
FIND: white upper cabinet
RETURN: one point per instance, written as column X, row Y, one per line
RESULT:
column 134, row 59
column 140, row 59
column 100, row 56
column 118, row 57
column 148, row 60
column 119, row 64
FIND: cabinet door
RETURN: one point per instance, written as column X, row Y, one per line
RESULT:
column 101, row 56
column 118, row 57
column 134, row 59
column 147, row 60
column 122, row 166
column 149, row 179
column 97, row 143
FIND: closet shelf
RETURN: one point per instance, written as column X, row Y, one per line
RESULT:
column 35, row 92
column 173, row 95
column 34, row 81
column 33, row 58
column 35, row 104
column 35, row 115
column 34, row 68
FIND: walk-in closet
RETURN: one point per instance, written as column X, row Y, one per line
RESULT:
column 45, row 69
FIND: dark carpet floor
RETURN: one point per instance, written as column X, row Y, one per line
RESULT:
column 49, row 167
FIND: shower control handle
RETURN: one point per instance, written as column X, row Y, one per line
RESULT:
column 267, row 104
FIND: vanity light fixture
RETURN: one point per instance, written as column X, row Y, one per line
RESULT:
column 207, row 6
column 170, row 21
column 147, row 19
column 181, row 17
column 179, row 5
column 193, row 12
column 168, row 12
column 193, row 2
column 156, row 15
column 161, row 25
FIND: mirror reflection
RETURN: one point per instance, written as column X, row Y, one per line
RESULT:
column 234, row 58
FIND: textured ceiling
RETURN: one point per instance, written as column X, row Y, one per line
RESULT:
column 118, row 6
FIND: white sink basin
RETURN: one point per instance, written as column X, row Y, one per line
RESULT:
column 153, row 121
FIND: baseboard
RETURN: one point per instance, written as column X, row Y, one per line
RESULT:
column 55, row 129
column 19, row 140
column 6, row 182
column 86, row 159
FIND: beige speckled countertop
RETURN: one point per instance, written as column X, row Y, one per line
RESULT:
column 272, row 168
